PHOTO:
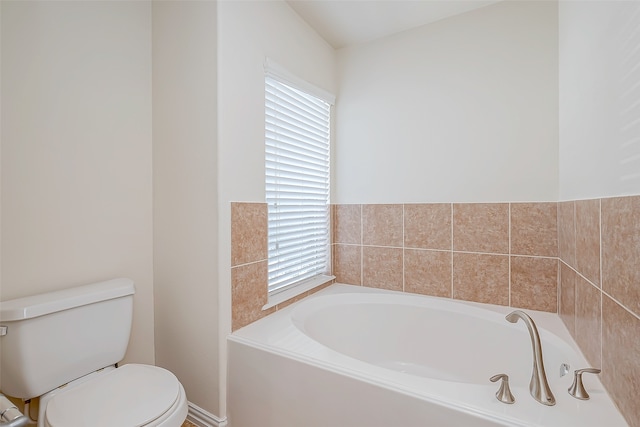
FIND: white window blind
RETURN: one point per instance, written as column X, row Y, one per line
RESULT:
column 297, row 184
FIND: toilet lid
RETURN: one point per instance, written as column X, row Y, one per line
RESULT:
column 129, row 396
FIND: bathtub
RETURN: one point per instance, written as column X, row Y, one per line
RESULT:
column 353, row 356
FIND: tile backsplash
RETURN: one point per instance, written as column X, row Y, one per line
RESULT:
column 599, row 242
column 578, row 258
column 498, row 253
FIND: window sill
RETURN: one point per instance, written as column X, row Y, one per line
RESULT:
column 287, row 294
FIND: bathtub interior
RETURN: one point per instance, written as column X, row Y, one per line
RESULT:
column 441, row 341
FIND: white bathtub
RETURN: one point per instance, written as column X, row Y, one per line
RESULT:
column 352, row 356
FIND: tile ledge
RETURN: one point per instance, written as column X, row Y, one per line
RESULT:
column 294, row 291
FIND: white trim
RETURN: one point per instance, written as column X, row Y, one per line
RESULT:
column 202, row 418
column 295, row 290
column 281, row 74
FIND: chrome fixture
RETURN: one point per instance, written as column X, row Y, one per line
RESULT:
column 564, row 369
column 504, row 393
column 10, row 416
column 539, row 386
column 577, row 388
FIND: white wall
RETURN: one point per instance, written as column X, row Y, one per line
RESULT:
column 462, row 110
column 76, row 151
column 599, row 92
column 1, row 166
column 184, row 190
column 249, row 31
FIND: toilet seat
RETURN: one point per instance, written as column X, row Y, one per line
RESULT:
column 130, row 396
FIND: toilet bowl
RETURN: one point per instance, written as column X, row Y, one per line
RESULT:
column 64, row 347
column 131, row 395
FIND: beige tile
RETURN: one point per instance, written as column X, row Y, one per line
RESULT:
column 567, row 305
column 303, row 295
column 481, row 278
column 248, row 232
column 427, row 226
column 588, row 239
column 427, row 272
column 188, row 424
column 290, row 301
column 567, row 233
column 382, row 225
column 588, row 320
column 382, row 268
column 248, row 293
column 534, row 229
column 621, row 359
column 481, row 227
column 347, row 264
column 621, row 250
column 321, row 287
column 347, row 224
column 534, row 283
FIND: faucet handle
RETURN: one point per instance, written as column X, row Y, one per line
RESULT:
column 504, row 393
column 577, row 388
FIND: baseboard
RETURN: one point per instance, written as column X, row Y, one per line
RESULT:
column 202, row 418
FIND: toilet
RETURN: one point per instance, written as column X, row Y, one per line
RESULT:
column 64, row 347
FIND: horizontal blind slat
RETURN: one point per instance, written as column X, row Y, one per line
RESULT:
column 293, row 238
column 304, row 217
column 291, row 112
column 280, row 95
column 285, row 150
column 300, row 102
column 305, row 170
column 286, row 93
column 277, row 133
column 274, row 176
column 306, row 261
column 293, row 255
column 280, row 123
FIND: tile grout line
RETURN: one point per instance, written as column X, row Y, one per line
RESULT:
column 621, row 305
column 559, row 278
column 602, row 291
column 361, row 245
column 403, row 244
column 249, row 263
column 601, row 286
column 509, row 236
column 452, row 252
column 575, row 261
column 449, row 250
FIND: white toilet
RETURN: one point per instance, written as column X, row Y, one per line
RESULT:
column 64, row 347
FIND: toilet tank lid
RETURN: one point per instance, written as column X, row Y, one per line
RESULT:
column 51, row 302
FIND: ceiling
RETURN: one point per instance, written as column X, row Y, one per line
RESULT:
column 348, row 22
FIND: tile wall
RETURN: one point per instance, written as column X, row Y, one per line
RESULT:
column 599, row 243
column 498, row 253
column 249, row 265
column 513, row 254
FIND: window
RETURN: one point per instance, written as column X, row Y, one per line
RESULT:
column 297, row 129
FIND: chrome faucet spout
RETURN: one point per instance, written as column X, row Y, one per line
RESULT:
column 539, row 386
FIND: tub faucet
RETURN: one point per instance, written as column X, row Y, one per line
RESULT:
column 539, row 387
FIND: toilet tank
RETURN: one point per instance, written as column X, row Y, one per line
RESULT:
column 53, row 338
